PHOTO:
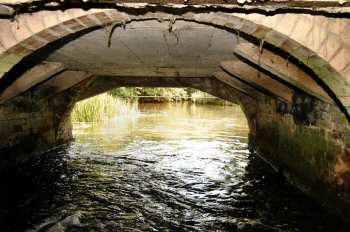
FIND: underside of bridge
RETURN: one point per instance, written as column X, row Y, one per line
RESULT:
column 286, row 63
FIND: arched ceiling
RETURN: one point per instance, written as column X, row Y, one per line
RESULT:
column 147, row 48
column 171, row 45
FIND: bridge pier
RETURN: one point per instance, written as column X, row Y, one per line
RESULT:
column 309, row 143
column 26, row 127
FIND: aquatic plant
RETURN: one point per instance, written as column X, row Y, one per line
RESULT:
column 120, row 102
column 101, row 108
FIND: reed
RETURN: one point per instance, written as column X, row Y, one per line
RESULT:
column 101, row 108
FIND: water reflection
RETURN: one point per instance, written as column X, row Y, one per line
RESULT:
column 165, row 122
column 172, row 167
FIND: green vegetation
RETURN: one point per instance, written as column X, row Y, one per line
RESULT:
column 144, row 95
column 151, row 94
column 124, row 101
column 100, row 108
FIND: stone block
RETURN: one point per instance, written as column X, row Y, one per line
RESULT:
column 234, row 23
column 20, row 30
column 7, row 38
column 261, row 32
column 289, row 45
column 270, row 21
column 286, row 24
column 5, row 67
column 249, row 27
column 337, row 25
column 95, row 19
column 87, row 21
column 58, row 31
column 62, row 16
column 341, row 59
column 46, row 35
column 329, row 47
column 34, row 22
column 303, row 54
column 35, row 42
column 73, row 25
column 49, row 19
column 103, row 18
column 316, row 37
column 20, row 50
column 275, row 38
column 302, row 29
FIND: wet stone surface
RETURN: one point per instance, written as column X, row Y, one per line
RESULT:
column 168, row 168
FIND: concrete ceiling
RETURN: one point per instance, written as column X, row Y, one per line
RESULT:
column 145, row 48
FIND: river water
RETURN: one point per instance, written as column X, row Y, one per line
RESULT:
column 168, row 167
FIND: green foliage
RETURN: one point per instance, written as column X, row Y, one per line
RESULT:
column 169, row 93
column 125, row 92
column 152, row 92
column 116, row 102
column 100, row 108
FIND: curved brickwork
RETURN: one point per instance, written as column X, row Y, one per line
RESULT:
column 320, row 34
column 327, row 37
column 336, row 80
column 318, row 42
column 30, row 32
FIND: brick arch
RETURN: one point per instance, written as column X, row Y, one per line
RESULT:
column 328, row 42
column 324, row 65
column 31, row 32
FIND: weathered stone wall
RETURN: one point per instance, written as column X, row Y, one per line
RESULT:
column 26, row 126
column 31, row 123
column 309, row 141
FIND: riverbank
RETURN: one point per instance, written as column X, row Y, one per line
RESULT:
column 158, row 95
column 125, row 101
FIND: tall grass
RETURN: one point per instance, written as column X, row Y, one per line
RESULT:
column 117, row 102
column 101, row 108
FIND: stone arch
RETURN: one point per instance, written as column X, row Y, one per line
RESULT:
column 315, row 154
column 32, row 32
column 74, row 21
column 94, row 86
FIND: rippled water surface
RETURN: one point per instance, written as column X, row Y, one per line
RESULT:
column 172, row 167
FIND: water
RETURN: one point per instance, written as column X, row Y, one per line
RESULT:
column 172, row 167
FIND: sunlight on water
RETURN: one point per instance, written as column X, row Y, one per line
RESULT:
column 165, row 122
column 170, row 167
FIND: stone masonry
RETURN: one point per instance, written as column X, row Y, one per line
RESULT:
column 286, row 63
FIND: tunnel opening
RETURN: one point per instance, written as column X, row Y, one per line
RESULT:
column 180, row 112
column 131, row 103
